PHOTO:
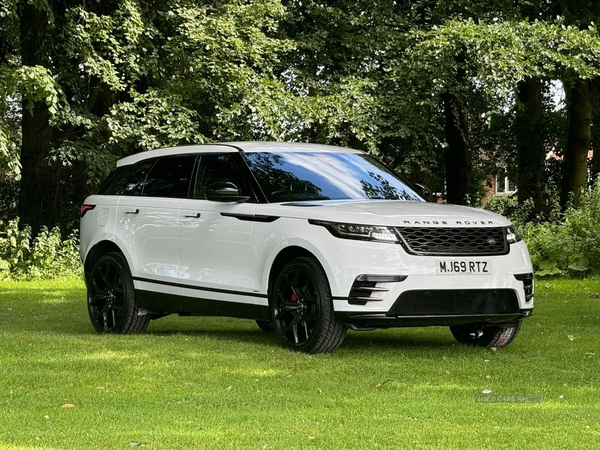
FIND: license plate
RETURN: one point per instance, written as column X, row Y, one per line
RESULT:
column 453, row 267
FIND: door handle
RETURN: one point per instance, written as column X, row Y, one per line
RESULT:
column 135, row 211
column 193, row 216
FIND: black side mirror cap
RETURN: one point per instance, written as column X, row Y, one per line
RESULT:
column 423, row 191
column 225, row 191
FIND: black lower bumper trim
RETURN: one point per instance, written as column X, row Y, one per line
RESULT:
column 367, row 320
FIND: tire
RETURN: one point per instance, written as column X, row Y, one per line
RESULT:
column 111, row 297
column 302, row 309
column 266, row 326
column 488, row 336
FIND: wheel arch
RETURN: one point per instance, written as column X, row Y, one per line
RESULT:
column 96, row 252
column 285, row 256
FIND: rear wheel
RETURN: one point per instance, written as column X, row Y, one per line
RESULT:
column 488, row 336
column 302, row 308
column 111, row 297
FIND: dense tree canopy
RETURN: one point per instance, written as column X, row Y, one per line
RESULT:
column 445, row 91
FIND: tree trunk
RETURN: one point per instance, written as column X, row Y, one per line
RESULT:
column 579, row 137
column 531, row 153
column 36, row 197
column 456, row 155
column 596, row 132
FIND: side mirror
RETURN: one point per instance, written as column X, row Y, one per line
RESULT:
column 225, row 191
column 423, row 191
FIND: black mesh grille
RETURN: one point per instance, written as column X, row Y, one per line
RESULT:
column 455, row 302
column 454, row 241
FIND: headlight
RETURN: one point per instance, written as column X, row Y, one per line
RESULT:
column 360, row 232
column 512, row 235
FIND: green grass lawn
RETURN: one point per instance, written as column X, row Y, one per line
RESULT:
column 222, row 383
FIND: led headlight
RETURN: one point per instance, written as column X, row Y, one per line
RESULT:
column 361, row 232
column 512, row 235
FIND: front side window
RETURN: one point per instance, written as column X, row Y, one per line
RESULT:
column 291, row 176
column 216, row 169
column 170, row 177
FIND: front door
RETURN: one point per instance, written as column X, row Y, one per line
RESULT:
column 215, row 244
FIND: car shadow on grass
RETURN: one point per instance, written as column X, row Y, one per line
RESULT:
column 399, row 338
column 379, row 340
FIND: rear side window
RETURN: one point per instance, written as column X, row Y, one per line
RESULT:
column 170, row 177
column 127, row 180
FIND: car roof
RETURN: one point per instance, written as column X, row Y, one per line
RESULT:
column 232, row 147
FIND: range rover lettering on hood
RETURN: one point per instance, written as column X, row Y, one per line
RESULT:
column 448, row 222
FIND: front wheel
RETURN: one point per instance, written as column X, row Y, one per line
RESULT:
column 111, row 297
column 265, row 325
column 302, row 308
column 486, row 336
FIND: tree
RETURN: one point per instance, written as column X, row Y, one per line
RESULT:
column 579, row 140
column 101, row 80
column 530, row 139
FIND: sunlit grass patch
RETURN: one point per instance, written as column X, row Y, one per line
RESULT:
column 223, row 383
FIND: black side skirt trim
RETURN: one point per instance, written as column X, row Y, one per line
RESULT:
column 191, row 306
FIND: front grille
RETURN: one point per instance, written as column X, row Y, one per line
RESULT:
column 454, row 241
column 455, row 302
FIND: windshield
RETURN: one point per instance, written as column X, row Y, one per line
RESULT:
column 289, row 176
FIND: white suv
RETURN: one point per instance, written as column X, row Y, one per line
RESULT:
column 308, row 240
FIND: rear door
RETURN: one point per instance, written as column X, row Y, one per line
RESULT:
column 148, row 226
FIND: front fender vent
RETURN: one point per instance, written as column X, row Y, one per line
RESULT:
column 527, row 279
column 365, row 288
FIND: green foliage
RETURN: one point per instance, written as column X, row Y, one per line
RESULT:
column 508, row 206
column 123, row 76
column 33, row 84
column 566, row 244
column 45, row 256
column 152, row 120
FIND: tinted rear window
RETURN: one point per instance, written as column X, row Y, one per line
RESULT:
column 126, row 180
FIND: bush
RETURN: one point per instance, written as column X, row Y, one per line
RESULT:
column 45, row 256
column 567, row 243
column 508, row 206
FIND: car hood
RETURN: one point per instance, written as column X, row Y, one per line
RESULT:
column 387, row 212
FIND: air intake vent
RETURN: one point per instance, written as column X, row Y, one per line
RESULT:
column 454, row 241
column 455, row 302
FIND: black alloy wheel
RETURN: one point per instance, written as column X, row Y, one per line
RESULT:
column 266, row 326
column 302, row 308
column 486, row 336
column 111, row 297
